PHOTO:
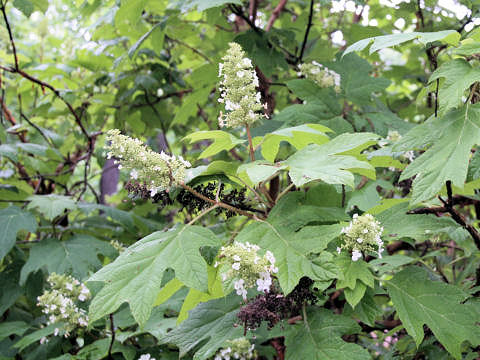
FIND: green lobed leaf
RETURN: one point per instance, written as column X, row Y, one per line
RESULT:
column 207, row 328
column 200, row 5
column 318, row 337
column 381, row 42
column 284, row 236
column 448, row 157
column 51, row 205
column 419, row 300
column 356, row 83
column 135, row 276
column 77, row 256
column 221, row 141
column 459, row 74
column 299, row 136
column 12, row 220
column 330, row 162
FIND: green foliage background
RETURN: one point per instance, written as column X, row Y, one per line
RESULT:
column 71, row 70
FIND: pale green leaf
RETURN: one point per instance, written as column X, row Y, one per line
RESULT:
column 459, row 74
column 221, row 141
column 136, row 46
column 420, row 301
column 381, row 42
column 12, row 220
column 135, row 276
column 51, row 205
column 328, row 163
column 318, row 337
column 447, row 159
column 298, row 136
column 257, row 171
column 199, row 5
column 354, row 296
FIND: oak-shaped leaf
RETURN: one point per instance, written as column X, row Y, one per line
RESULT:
column 221, row 141
column 135, row 276
column 76, row 256
column 420, row 301
column 449, row 140
column 282, row 233
column 333, row 162
column 12, row 220
column 207, row 328
column 318, row 337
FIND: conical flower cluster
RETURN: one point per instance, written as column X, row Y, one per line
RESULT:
column 238, row 89
column 323, row 76
column 241, row 263
column 238, row 349
column 362, row 235
column 60, row 303
column 157, row 171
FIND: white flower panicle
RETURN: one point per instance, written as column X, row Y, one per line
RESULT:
column 157, row 171
column 323, row 76
column 238, row 89
column 60, row 303
column 241, row 262
column 146, row 357
column 362, row 235
column 238, row 349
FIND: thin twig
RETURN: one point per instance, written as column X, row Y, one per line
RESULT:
column 112, row 329
column 275, row 14
column 250, row 143
column 220, row 204
column 196, row 51
column 286, row 190
column 204, row 212
column 448, row 208
column 10, row 35
column 307, row 31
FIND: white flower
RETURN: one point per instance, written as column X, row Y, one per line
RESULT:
column 356, row 255
column 236, row 266
column 247, row 62
column 339, row 249
column 134, row 174
column 146, row 357
column 160, row 92
column 359, row 240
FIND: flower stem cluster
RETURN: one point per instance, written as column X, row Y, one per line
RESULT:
column 60, row 303
column 241, row 262
column 362, row 235
column 238, row 349
column 323, row 76
column 238, row 89
column 158, row 171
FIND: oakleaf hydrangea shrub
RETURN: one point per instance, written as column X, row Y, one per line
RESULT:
column 60, row 304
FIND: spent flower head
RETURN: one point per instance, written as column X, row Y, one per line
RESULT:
column 242, row 263
column 237, row 349
column 157, row 171
column 60, row 303
column 362, row 235
column 323, row 76
column 238, row 89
